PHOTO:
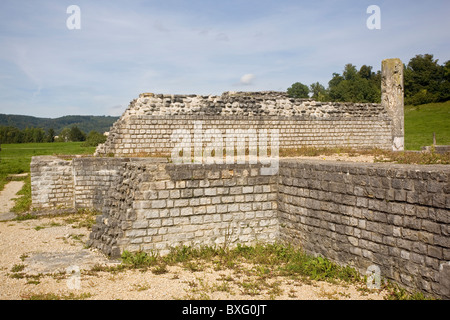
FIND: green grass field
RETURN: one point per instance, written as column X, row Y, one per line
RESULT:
column 422, row 121
column 16, row 158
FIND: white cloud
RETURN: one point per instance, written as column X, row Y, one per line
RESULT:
column 247, row 79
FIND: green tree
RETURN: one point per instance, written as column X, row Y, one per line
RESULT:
column 365, row 72
column 447, row 71
column 94, row 138
column 298, row 90
column 425, row 80
column 350, row 72
column 335, row 80
column 10, row 134
column 63, row 136
column 75, row 134
column 27, row 136
column 38, row 135
column 50, row 137
column 319, row 93
column 355, row 86
column 444, row 91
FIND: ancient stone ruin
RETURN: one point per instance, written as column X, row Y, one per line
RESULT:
column 394, row 217
column 145, row 127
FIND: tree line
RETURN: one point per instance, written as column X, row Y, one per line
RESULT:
column 425, row 81
column 10, row 134
column 85, row 123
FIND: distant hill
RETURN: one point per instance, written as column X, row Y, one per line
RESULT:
column 85, row 123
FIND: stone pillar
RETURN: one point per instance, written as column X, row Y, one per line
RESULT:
column 392, row 99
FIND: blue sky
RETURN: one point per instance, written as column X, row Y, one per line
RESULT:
column 196, row 47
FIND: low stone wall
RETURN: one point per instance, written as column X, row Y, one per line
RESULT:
column 160, row 205
column 51, row 183
column 76, row 183
column 93, row 177
column 395, row 217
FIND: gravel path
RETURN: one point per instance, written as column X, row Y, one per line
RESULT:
column 8, row 194
column 37, row 256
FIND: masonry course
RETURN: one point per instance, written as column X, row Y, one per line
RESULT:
column 393, row 216
column 146, row 126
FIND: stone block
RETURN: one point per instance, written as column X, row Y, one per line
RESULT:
column 157, row 204
column 210, row 192
column 435, row 252
column 186, row 211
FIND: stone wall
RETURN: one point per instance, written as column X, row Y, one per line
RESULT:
column 81, row 182
column 146, row 126
column 93, row 177
column 51, row 183
column 393, row 216
column 144, row 135
column 160, row 205
column 396, row 217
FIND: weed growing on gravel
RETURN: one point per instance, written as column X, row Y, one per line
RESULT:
column 23, row 217
column 258, row 268
column 139, row 260
column 225, row 286
column 54, row 296
column 397, row 293
column 141, row 287
column 267, row 261
column 17, row 271
column 23, row 256
column 84, row 218
column 17, row 268
column 23, row 203
column 406, row 157
column 18, row 274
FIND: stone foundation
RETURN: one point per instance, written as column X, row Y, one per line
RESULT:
column 395, row 217
column 159, row 206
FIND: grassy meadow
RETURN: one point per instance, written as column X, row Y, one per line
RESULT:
column 16, row 158
column 421, row 121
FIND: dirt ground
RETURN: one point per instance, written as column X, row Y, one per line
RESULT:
column 46, row 257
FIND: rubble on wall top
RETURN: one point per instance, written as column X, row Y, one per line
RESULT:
column 262, row 103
